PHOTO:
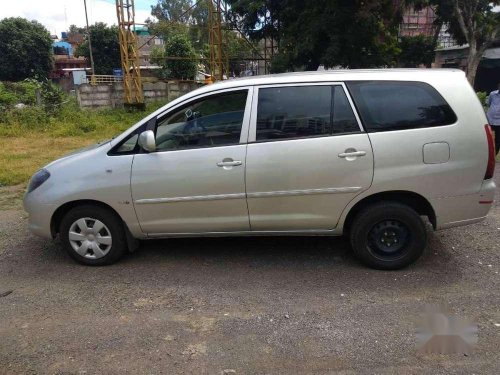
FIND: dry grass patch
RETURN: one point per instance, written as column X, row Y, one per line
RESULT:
column 20, row 157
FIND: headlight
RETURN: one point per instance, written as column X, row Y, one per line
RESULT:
column 38, row 178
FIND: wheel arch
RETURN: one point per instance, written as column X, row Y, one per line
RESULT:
column 414, row 200
column 55, row 221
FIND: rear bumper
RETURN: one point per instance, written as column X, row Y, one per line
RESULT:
column 465, row 209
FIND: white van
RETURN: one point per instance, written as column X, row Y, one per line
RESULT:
column 361, row 152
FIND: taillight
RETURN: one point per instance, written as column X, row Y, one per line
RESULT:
column 490, row 169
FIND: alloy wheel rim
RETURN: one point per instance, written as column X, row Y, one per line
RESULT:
column 90, row 238
column 388, row 239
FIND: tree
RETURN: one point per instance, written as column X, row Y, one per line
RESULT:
column 177, row 10
column 184, row 66
column 105, row 48
column 332, row 33
column 469, row 21
column 189, row 18
column 416, row 50
column 479, row 25
column 176, row 15
column 25, row 50
column 73, row 29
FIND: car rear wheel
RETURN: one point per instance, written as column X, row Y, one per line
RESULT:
column 93, row 235
column 388, row 235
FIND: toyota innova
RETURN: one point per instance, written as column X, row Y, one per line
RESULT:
column 366, row 153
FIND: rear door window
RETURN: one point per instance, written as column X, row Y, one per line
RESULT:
column 343, row 118
column 395, row 105
column 303, row 111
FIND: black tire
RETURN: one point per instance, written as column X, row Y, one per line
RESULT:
column 388, row 236
column 113, row 225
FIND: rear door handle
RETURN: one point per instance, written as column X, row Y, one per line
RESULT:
column 352, row 154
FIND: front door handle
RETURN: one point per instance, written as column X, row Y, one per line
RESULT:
column 228, row 163
column 351, row 153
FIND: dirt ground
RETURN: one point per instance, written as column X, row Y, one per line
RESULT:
column 240, row 305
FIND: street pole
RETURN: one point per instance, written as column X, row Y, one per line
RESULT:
column 92, row 77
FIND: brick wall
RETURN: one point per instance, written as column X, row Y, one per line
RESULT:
column 111, row 95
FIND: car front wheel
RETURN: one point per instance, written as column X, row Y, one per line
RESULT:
column 388, row 235
column 93, row 235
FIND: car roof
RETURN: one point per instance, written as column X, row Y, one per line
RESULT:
column 422, row 75
column 333, row 75
column 425, row 75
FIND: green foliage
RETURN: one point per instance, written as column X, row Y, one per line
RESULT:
column 73, row 29
column 25, row 50
column 177, row 17
column 12, row 93
column 179, row 46
column 177, row 10
column 416, row 50
column 482, row 96
column 7, row 98
column 69, row 120
column 52, row 97
column 105, row 48
column 310, row 33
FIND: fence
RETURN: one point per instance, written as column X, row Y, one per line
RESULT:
column 98, row 79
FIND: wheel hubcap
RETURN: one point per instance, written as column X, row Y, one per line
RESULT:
column 388, row 239
column 90, row 238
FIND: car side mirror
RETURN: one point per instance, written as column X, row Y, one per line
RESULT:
column 147, row 140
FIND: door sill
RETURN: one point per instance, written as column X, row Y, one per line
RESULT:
column 331, row 232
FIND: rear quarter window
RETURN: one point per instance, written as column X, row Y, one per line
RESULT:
column 396, row 105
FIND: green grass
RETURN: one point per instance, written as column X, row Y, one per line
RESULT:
column 29, row 138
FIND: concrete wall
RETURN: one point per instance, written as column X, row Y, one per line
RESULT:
column 111, row 95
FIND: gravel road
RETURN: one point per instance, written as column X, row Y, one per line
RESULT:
column 252, row 305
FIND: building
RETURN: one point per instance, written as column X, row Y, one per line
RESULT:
column 146, row 43
column 65, row 62
column 418, row 22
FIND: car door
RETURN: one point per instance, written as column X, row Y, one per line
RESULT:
column 307, row 157
column 195, row 180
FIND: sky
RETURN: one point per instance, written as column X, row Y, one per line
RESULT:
column 58, row 15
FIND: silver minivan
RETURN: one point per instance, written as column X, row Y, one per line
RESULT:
column 367, row 153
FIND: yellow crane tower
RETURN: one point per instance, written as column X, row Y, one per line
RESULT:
column 219, row 61
column 132, row 84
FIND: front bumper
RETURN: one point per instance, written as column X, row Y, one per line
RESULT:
column 40, row 215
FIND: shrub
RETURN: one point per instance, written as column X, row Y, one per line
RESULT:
column 482, row 95
column 52, row 97
column 12, row 93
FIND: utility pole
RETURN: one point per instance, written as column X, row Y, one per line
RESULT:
column 92, row 77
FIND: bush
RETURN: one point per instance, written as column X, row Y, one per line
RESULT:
column 12, row 93
column 25, row 92
column 7, row 98
column 52, row 97
column 482, row 95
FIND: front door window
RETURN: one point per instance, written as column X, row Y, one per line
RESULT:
column 208, row 122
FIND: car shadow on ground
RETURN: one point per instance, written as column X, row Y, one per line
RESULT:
column 321, row 260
